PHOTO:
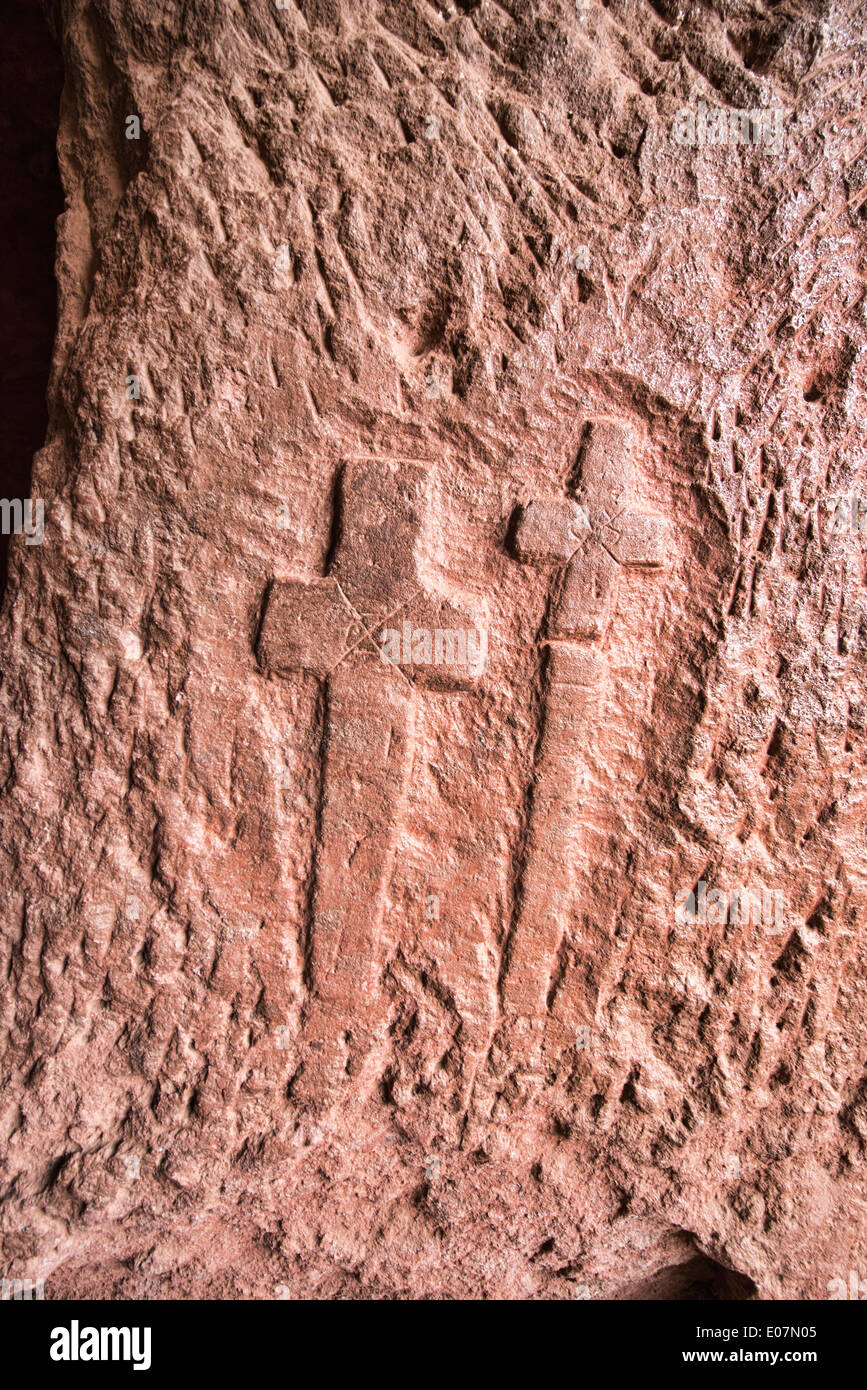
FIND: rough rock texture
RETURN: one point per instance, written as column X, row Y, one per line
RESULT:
column 331, row 976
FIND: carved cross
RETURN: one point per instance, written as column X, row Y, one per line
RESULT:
column 331, row 627
column 589, row 539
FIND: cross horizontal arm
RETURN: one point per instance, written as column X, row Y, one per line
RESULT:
column 637, row 538
column 550, row 530
column 306, row 627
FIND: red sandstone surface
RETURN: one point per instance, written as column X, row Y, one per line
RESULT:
column 447, row 639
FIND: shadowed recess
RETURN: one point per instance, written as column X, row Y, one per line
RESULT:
column 32, row 78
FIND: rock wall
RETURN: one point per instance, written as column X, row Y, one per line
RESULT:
column 433, row 766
